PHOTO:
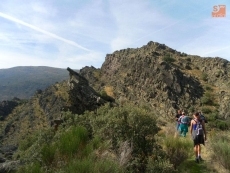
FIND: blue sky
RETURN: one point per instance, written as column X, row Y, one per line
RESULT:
column 78, row 33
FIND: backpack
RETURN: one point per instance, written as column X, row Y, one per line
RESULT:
column 184, row 120
column 203, row 118
column 199, row 128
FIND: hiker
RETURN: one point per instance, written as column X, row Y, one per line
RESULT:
column 184, row 122
column 198, row 133
column 177, row 119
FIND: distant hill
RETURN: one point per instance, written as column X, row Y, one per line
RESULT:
column 23, row 81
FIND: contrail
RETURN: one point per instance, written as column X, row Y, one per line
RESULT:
column 43, row 31
column 168, row 26
column 216, row 50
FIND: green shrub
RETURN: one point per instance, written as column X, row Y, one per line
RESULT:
column 130, row 123
column 188, row 59
column 208, row 88
column 27, row 142
column 71, row 141
column 169, row 59
column 160, row 165
column 46, row 136
column 222, row 125
column 204, row 77
column 48, row 154
column 206, row 100
column 90, row 165
column 213, row 116
column 221, row 150
column 177, row 149
column 80, row 166
column 32, row 168
column 191, row 109
column 206, row 110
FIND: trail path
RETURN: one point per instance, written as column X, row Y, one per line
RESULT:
column 206, row 166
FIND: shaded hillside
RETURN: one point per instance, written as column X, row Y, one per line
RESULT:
column 37, row 113
column 164, row 78
column 6, row 107
column 22, row 82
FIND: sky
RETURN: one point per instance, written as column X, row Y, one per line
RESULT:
column 79, row 33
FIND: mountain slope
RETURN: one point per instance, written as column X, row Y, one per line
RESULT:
column 22, row 82
column 164, row 78
column 154, row 77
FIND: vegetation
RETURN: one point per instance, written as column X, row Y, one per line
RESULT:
column 124, row 129
column 124, row 136
column 168, row 58
column 221, row 150
column 204, row 76
column 130, row 141
column 208, row 99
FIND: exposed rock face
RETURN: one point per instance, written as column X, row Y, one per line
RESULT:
column 144, row 74
column 6, row 153
column 45, row 107
column 9, row 166
column 149, row 78
column 81, row 96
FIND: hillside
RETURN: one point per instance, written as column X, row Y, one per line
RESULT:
column 128, row 105
column 22, row 82
column 164, row 78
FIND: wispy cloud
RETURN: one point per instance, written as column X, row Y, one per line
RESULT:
column 43, row 31
column 78, row 33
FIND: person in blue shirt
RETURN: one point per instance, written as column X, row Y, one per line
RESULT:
column 184, row 122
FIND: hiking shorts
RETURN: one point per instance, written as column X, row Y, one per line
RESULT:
column 199, row 139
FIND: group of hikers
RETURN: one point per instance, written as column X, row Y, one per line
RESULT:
column 196, row 127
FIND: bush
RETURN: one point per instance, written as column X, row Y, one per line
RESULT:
column 221, row 150
column 90, row 165
column 222, row 125
column 204, row 77
column 169, row 59
column 160, row 165
column 130, row 123
column 206, row 100
column 32, row 168
column 208, row 88
column 188, row 59
column 177, row 149
column 28, row 142
column 71, row 141
column 206, row 110
column 48, row 154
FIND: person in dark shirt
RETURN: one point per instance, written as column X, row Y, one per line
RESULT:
column 179, row 113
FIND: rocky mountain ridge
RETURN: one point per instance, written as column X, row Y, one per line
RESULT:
column 163, row 77
column 153, row 74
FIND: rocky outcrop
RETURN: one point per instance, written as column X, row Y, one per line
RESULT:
column 147, row 74
column 82, row 97
column 9, row 166
column 46, row 107
column 6, row 163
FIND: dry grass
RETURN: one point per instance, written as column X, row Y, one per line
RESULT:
column 109, row 91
